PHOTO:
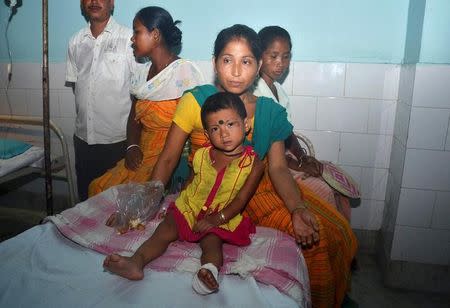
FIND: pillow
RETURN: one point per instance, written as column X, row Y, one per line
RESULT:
column 340, row 180
column 10, row 148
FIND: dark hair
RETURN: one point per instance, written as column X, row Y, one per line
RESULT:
column 268, row 34
column 236, row 32
column 221, row 101
column 155, row 17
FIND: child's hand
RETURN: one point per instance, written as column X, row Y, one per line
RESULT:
column 204, row 225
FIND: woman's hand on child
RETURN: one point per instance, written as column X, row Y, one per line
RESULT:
column 210, row 221
column 133, row 158
column 306, row 228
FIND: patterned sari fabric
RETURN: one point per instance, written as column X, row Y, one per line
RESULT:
column 329, row 261
column 156, row 118
column 156, row 105
column 317, row 185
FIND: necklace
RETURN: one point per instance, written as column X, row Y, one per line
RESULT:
column 213, row 160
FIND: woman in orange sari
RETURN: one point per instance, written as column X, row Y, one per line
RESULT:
column 328, row 242
column 156, row 90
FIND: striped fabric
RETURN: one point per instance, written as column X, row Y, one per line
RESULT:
column 156, row 118
column 329, row 261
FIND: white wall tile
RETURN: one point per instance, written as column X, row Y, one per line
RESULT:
column 26, row 76
column 415, row 208
column 288, row 81
column 431, row 88
column 55, row 148
column 4, row 106
column 67, row 126
column 368, row 216
column 447, row 143
column 421, row 245
column 426, row 169
column 57, row 74
column 326, row 144
column 67, row 103
column 397, row 160
column 342, row 114
column 406, row 83
column 381, row 117
column 373, row 183
column 54, row 104
column 3, row 75
column 428, row 128
column 318, row 79
column 372, row 80
column 401, row 126
column 441, row 215
column 392, row 200
column 304, row 112
column 365, row 150
column 18, row 101
column 34, row 102
column 207, row 69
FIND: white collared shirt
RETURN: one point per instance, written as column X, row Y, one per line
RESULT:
column 262, row 89
column 101, row 69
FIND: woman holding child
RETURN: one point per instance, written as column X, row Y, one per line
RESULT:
column 156, row 90
column 328, row 241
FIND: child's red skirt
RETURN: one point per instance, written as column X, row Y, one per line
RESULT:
column 239, row 237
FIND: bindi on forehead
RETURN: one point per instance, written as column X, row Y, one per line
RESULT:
column 221, row 122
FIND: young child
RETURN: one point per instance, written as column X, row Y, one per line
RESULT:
column 276, row 45
column 204, row 212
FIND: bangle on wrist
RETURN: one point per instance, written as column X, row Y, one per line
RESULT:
column 300, row 163
column 132, row 146
column 222, row 217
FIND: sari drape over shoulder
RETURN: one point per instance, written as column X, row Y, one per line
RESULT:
column 156, row 105
column 329, row 261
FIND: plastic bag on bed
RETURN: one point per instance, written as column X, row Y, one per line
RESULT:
column 136, row 203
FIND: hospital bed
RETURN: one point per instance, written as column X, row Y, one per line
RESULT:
column 27, row 166
column 44, row 268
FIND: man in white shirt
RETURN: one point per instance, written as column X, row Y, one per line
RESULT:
column 99, row 65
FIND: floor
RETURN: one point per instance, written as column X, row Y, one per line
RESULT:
column 369, row 292
column 367, row 287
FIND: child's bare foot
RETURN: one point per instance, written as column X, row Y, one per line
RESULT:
column 208, row 279
column 123, row 266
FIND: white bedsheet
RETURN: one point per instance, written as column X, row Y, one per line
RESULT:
column 41, row 268
column 25, row 159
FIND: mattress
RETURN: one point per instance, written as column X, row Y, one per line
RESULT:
column 31, row 157
column 42, row 268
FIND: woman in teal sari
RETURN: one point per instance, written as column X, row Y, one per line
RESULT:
column 277, row 201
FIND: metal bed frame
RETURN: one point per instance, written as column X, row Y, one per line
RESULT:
column 57, row 164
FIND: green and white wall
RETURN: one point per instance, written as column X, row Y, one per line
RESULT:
column 369, row 83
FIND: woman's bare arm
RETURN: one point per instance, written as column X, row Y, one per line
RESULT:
column 167, row 160
column 304, row 223
column 170, row 155
column 134, row 155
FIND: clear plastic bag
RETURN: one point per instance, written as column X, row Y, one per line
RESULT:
column 136, row 203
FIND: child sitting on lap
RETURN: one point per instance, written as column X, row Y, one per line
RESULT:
column 204, row 212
